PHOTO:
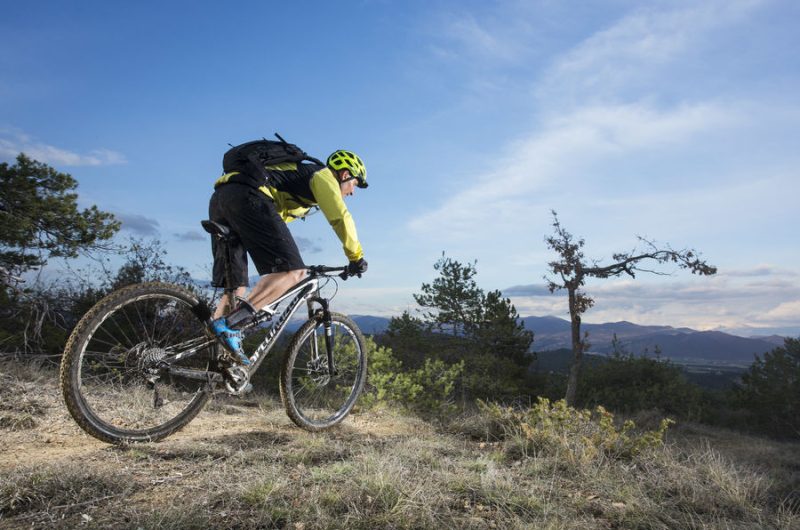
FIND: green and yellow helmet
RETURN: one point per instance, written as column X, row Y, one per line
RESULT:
column 342, row 159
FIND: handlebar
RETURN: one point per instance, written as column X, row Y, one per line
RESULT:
column 324, row 270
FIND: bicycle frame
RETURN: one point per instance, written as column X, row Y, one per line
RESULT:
column 305, row 291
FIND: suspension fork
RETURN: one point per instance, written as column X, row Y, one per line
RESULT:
column 326, row 323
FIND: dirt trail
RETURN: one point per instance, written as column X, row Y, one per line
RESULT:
column 230, row 446
column 56, row 437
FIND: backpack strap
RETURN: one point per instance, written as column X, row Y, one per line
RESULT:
column 306, row 156
column 259, row 166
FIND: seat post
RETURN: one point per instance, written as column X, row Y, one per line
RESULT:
column 222, row 233
column 229, row 287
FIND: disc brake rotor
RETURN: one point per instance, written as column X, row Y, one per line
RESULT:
column 318, row 371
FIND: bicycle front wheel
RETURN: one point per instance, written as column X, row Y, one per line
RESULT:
column 314, row 398
column 109, row 372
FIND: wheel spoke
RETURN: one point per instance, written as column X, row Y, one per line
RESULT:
column 107, row 331
column 166, row 339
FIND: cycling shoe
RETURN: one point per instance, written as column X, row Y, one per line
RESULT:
column 231, row 339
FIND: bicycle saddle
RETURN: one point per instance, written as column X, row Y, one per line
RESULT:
column 214, row 228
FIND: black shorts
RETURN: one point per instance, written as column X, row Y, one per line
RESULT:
column 256, row 229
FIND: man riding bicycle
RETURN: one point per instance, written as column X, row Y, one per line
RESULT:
column 256, row 208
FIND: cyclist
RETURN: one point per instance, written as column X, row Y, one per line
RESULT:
column 256, row 211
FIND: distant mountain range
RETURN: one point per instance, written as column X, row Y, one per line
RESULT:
column 552, row 333
column 674, row 343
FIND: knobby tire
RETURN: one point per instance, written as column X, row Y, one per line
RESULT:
column 70, row 374
column 291, row 366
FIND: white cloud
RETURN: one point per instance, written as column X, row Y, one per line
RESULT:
column 541, row 305
column 763, row 269
column 717, row 302
column 13, row 142
column 555, row 158
column 648, row 159
column 469, row 38
column 189, row 235
column 570, row 142
column 784, row 313
column 376, row 301
column 138, row 224
column 571, row 138
column 634, row 51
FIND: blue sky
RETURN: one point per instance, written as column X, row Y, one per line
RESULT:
column 676, row 120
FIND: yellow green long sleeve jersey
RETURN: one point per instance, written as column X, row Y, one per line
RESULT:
column 296, row 188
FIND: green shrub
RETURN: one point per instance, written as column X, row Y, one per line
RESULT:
column 625, row 383
column 489, row 376
column 577, row 436
column 769, row 393
column 427, row 390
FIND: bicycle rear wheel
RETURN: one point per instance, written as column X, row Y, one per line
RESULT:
column 314, row 399
column 109, row 378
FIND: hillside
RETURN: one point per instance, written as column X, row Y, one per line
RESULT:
column 242, row 464
column 675, row 343
column 553, row 333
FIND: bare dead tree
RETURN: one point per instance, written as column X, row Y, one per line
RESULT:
column 571, row 269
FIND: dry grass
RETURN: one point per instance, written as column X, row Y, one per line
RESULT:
column 43, row 492
column 21, row 406
column 242, row 464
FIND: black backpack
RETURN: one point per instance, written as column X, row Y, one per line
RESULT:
column 250, row 158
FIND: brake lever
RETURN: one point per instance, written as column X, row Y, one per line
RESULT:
column 346, row 274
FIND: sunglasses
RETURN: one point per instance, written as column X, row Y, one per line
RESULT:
column 361, row 182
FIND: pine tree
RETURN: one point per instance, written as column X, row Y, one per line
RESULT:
column 500, row 332
column 40, row 219
column 453, row 300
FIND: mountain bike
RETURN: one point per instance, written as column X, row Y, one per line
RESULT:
column 142, row 363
